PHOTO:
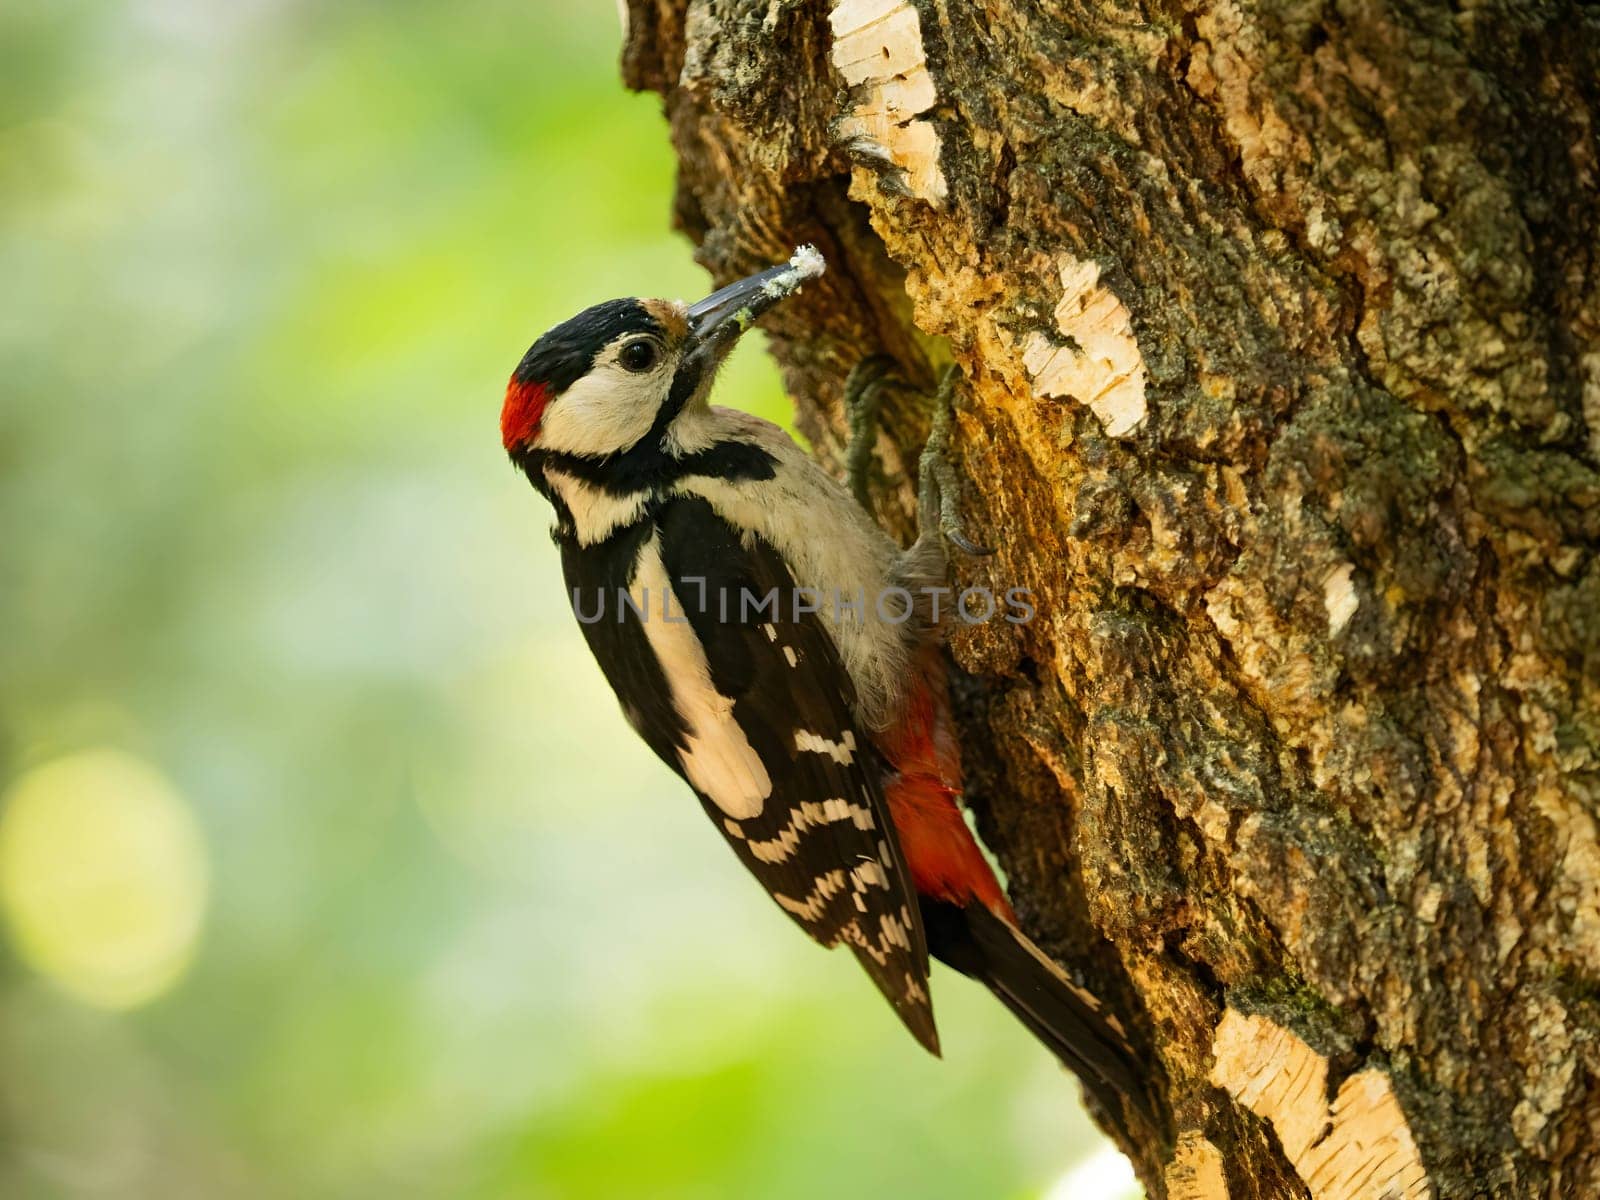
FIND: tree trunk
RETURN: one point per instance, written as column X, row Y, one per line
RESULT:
column 1280, row 328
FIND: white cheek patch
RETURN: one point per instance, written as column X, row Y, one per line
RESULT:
column 606, row 411
column 719, row 761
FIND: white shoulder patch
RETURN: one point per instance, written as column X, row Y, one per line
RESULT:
column 719, row 761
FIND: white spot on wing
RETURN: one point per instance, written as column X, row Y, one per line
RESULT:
column 856, row 936
column 894, row 933
column 842, row 751
column 816, row 901
column 915, row 990
column 868, row 874
column 809, row 815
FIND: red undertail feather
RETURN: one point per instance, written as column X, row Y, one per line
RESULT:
column 521, row 413
column 941, row 853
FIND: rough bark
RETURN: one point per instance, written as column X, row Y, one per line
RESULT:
column 1280, row 326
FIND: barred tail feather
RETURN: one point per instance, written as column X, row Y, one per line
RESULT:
column 1062, row 1015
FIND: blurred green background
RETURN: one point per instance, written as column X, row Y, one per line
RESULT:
column 328, row 866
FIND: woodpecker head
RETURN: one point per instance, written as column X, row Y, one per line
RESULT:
column 617, row 375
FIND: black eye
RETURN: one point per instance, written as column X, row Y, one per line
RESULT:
column 638, row 355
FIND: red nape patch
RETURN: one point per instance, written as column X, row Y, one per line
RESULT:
column 521, row 413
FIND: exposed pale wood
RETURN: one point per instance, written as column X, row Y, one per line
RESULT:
column 877, row 47
column 1196, row 1171
column 1359, row 1147
column 1099, row 364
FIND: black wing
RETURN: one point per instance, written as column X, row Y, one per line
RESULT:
column 767, row 738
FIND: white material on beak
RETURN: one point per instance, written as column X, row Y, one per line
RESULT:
column 805, row 263
column 808, row 262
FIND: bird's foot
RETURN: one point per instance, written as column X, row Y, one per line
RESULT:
column 863, row 402
column 937, row 485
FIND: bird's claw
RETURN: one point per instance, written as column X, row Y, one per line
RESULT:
column 937, row 487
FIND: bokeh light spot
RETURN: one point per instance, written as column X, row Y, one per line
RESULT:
column 103, row 877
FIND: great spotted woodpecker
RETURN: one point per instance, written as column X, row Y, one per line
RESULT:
column 734, row 595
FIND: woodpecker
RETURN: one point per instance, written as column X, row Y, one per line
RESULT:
column 751, row 618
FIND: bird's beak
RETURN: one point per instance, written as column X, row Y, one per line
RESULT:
column 717, row 321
